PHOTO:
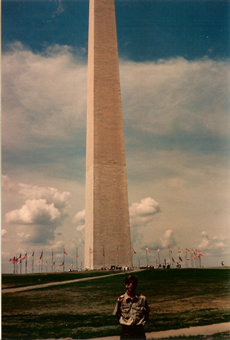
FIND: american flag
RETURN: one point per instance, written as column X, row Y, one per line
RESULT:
column 24, row 257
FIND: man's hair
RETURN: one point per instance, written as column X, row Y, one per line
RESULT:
column 131, row 278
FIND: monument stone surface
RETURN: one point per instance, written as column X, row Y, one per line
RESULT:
column 107, row 228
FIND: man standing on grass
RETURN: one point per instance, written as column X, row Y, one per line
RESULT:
column 132, row 311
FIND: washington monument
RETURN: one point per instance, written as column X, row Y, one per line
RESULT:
column 107, row 228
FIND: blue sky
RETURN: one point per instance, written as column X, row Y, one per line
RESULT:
column 190, row 29
column 174, row 68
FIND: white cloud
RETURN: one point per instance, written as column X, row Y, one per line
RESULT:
column 47, row 99
column 46, row 102
column 51, row 195
column 214, row 244
column 24, row 236
column 168, row 240
column 44, row 209
column 146, row 207
column 44, row 110
column 79, row 219
column 141, row 213
column 176, row 94
column 34, row 212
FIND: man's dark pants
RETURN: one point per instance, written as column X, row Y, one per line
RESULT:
column 132, row 332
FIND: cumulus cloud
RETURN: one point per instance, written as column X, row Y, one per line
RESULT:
column 47, row 99
column 34, row 212
column 51, row 195
column 215, row 244
column 141, row 213
column 43, row 210
column 168, row 240
column 79, row 220
column 146, row 207
column 176, row 95
column 46, row 102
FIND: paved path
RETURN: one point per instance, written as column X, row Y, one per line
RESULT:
column 44, row 285
column 191, row 331
column 198, row 330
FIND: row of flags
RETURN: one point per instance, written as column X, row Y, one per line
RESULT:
column 183, row 256
column 194, row 252
column 24, row 259
column 190, row 255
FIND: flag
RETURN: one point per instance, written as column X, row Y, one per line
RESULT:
column 32, row 255
column 61, row 264
column 158, row 250
column 134, row 252
column 18, row 257
column 65, row 253
column 187, row 251
column 179, row 250
column 24, row 257
column 199, row 254
column 41, row 256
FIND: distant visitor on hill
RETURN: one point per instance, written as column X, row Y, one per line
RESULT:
column 132, row 311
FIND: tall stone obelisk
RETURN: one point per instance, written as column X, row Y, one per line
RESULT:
column 107, row 228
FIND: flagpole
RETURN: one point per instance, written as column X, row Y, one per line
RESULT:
column 77, row 259
column 103, row 254
column 147, row 258
column 26, row 264
column 42, row 263
column 158, row 252
column 33, row 263
column 20, row 264
column 52, row 261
